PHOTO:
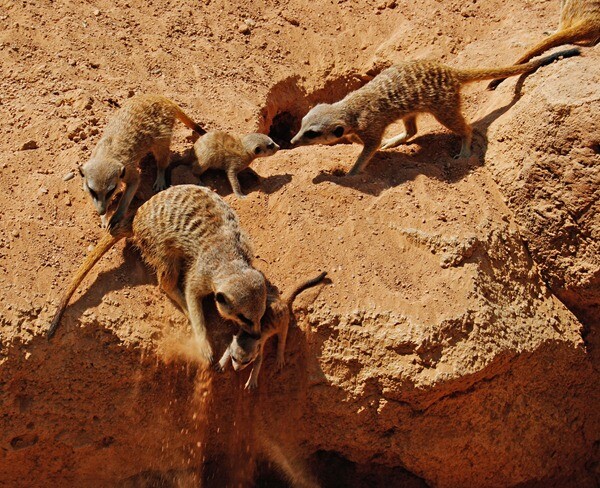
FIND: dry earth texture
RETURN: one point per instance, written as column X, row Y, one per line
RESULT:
column 457, row 343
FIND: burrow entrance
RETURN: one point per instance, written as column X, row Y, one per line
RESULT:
column 289, row 100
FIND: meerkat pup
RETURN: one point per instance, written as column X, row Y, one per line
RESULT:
column 401, row 92
column 195, row 243
column 246, row 348
column 143, row 124
column 220, row 150
column 579, row 24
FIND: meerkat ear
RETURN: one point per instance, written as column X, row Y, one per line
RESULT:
column 338, row 131
column 122, row 175
column 220, row 297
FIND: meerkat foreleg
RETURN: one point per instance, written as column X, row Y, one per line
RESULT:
column 368, row 151
column 222, row 364
column 124, row 202
column 281, row 340
column 253, row 378
column 235, row 183
column 197, row 321
column 161, row 153
column 410, row 125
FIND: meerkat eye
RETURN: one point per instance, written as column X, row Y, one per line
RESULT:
column 244, row 319
column 220, row 297
column 338, row 131
column 257, row 150
column 311, row 134
column 93, row 193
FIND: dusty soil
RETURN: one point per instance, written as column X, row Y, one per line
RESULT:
column 444, row 351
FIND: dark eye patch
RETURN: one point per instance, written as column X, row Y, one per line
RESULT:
column 93, row 193
column 219, row 297
column 311, row 134
column 257, row 150
column 110, row 193
column 244, row 319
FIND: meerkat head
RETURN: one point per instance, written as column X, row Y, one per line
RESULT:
column 242, row 298
column 323, row 124
column 244, row 349
column 101, row 181
column 259, row 145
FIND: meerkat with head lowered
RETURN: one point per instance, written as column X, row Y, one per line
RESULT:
column 230, row 153
column 245, row 348
column 194, row 241
column 401, row 92
column 579, row 24
column 142, row 125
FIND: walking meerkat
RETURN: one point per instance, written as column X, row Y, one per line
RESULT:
column 143, row 124
column 230, row 153
column 195, row 243
column 401, row 92
column 245, row 348
column 579, row 24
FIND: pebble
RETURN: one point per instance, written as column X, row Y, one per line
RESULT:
column 244, row 29
column 69, row 176
column 29, row 145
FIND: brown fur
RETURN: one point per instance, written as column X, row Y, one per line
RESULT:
column 245, row 349
column 144, row 124
column 193, row 240
column 401, row 92
column 230, row 153
column 579, row 24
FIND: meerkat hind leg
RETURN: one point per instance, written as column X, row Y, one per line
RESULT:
column 168, row 280
column 410, row 124
column 281, row 340
column 161, row 153
column 455, row 121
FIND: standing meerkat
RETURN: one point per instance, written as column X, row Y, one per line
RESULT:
column 195, row 243
column 230, row 153
column 143, row 124
column 401, row 92
column 579, row 24
column 245, row 348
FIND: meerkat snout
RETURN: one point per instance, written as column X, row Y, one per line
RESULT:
column 101, row 187
column 321, row 125
column 244, row 350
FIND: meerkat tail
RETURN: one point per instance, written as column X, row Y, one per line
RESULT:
column 471, row 75
column 185, row 120
column 304, row 286
column 107, row 241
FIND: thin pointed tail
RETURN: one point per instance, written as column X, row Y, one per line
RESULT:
column 304, row 286
column 471, row 75
column 107, row 241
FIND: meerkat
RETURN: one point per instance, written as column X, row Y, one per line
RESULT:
column 230, row 153
column 246, row 348
column 401, row 92
column 579, row 24
column 143, row 124
column 195, row 243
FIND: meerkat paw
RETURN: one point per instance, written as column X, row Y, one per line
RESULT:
column 160, row 184
column 241, row 196
column 219, row 368
column 114, row 220
column 251, row 384
column 279, row 364
column 463, row 154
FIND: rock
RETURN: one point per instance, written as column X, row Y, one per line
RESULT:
column 31, row 144
column 69, row 176
column 244, row 29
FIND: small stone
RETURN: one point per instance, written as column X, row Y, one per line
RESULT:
column 244, row 29
column 67, row 201
column 29, row 145
column 69, row 176
column 43, row 191
column 15, row 233
column 96, row 12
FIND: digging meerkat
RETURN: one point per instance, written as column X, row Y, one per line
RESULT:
column 245, row 348
column 401, row 92
column 195, row 243
column 579, row 24
column 220, row 150
column 143, row 124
